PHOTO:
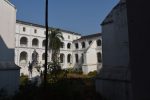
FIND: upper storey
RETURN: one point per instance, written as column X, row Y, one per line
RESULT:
column 27, row 28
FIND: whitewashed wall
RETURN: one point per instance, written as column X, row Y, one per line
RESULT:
column 9, row 72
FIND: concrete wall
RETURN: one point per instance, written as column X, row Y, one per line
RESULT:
column 113, row 81
column 7, row 30
column 9, row 81
column 90, row 55
column 9, row 72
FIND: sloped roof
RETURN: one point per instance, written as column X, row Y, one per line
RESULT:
column 89, row 36
column 42, row 26
column 108, row 19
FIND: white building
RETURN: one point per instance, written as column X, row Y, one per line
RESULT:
column 9, row 72
column 113, row 81
column 31, row 36
column 87, row 53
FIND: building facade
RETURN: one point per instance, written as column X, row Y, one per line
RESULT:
column 113, row 81
column 88, row 53
column 30, row 37
column 9, row 72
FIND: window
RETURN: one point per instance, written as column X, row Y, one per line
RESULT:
column 68, row 36
column 98, row 42
column 90, row 42
column 69, row 45
column 83, row 44
column 35, row 42
column 43, row 56
column 76, row 57
column 99, row 57
column 62, row 58
column 23, row 56
column 43, row 43
column 82, row 57
column 35, row 30
column 23, row 41
column 69, row 58
column 24, row 29
column 62, row 45
column 76, row 45
column 36, row 58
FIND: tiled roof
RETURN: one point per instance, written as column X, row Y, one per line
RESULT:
column 42, row 26
column 89, row 36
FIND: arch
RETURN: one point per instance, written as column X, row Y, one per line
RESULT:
column 23, row 57
column 69, row 58
column 83, row 44
column 43, row 56
column 99, row 57
column 43, row 43
column 98, row 42
column 76, row 45
column 23, row 41
column 37, row 56
column 62, row 58
column 90, row 42
column 76, row 58
column 35, row 42
column 69, row 45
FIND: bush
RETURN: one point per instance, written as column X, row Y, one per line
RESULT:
column 23, row 80
column 92, row 74
column 76, row 71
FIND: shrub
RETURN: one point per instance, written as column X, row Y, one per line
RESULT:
column 23, row 80
column 92, row 73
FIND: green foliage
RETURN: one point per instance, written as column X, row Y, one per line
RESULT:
column 92, row 74
column 75, row 71
column 55, row 37
column 64, row 89
column 23, row 80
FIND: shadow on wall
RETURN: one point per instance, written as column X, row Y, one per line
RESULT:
column 6, row 54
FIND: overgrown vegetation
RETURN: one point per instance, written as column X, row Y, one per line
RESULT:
column 60, row 86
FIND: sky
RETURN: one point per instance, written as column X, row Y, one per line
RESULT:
column 81, row 16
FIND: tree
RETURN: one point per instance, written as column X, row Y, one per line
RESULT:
column 55, row 37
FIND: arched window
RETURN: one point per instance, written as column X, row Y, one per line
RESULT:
column 62, row 58
column 23, row 57
column 35, row 42
column 99, row 57
column 76, row 58
column 76, row 45
column 69, row 58
column 62, row 44
column 43, row 43
column 98, row 42
column 90, row 42
column 83, row 44
column 43, row 56
column 37, row 56
column 82, row 57
column 69, row 45
column 23, row 41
